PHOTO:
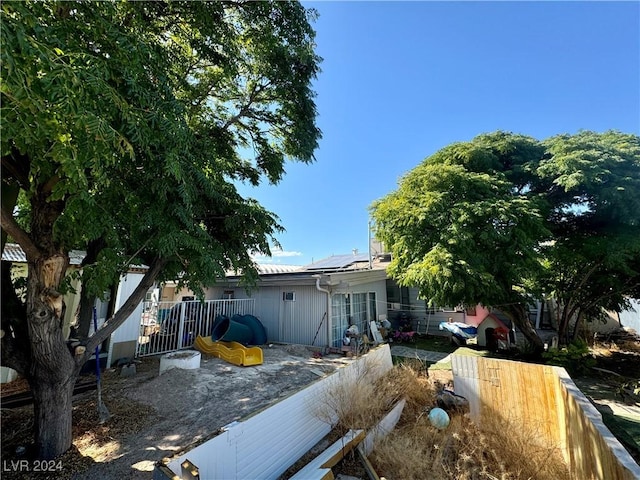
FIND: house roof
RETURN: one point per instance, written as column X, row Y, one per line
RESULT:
column 338, row 271
column 333, row 264
column 275, row 269
column 13, row 253
column 338, row 262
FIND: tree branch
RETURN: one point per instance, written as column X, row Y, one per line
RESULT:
column 127, row 308
column 244, row 110
column 9, row 225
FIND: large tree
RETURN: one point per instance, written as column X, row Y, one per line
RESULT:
column 126, row 127
column 504, row 219
column 592, row 185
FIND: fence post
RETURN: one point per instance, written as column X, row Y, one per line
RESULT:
column 181, row 325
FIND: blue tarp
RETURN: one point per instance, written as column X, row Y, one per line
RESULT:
column 460, row 330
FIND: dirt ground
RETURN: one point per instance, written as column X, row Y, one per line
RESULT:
column 156, row 416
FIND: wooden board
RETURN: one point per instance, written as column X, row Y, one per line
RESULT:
column 375, row 333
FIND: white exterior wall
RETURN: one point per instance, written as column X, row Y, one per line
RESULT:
column 631, row 318
column 130, row 329
column 298, row 321
column 7, row 375
column 287, row 321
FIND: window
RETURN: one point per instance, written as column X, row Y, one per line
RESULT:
column 373, row 307
column 359, row 311
column 340, row 310
column 289, row 296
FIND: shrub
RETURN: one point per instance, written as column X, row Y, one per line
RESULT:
column 576, row 358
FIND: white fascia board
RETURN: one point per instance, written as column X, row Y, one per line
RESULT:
column 358, row 277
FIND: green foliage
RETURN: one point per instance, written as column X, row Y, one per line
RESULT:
column 127, row 126
column 458, row 227
column 140, row 117
column 576, row 358
column 504, row 218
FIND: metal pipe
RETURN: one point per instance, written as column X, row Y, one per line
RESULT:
column 328, row 292
column 369, row 244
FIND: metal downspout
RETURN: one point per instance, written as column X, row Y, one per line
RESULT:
column 328, row 292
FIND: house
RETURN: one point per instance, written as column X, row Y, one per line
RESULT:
column 630, row 318
column 406, row 306
column 122, row 342
column 312, row 304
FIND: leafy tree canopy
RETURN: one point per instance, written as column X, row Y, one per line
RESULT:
column 505, row 218
column 126, row 127
column 129, row 117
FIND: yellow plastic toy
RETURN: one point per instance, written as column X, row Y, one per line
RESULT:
column 232, row 352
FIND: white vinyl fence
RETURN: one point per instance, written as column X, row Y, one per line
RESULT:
column 265, row 445
column 169, row 326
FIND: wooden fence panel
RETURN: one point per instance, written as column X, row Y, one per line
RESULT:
column 546, row 406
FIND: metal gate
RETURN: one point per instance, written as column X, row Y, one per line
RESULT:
column 169, row 326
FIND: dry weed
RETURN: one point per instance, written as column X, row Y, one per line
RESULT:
column 465, row 451
column 360, row 402
column 416, row 450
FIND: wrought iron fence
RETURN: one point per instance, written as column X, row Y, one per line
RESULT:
column 169, row 326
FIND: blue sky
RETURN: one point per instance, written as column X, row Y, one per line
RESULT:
column 400, row 80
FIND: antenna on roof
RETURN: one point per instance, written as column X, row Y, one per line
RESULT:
column 369, row 244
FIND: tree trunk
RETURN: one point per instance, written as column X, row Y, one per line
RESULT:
column 53, row 369
column 563, row 324
column 520, row 316
column 52, row 378
column 9, row 195
column 577, row 326
column 87, row 302
column 85, row 314
column 52, row 408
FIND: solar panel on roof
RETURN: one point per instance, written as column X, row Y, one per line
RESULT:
column 338, row 261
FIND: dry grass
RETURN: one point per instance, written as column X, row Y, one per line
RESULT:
column 417, row 450
column 616, row 341
column 605, row 349
column 361, row 402
column 465, row 451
